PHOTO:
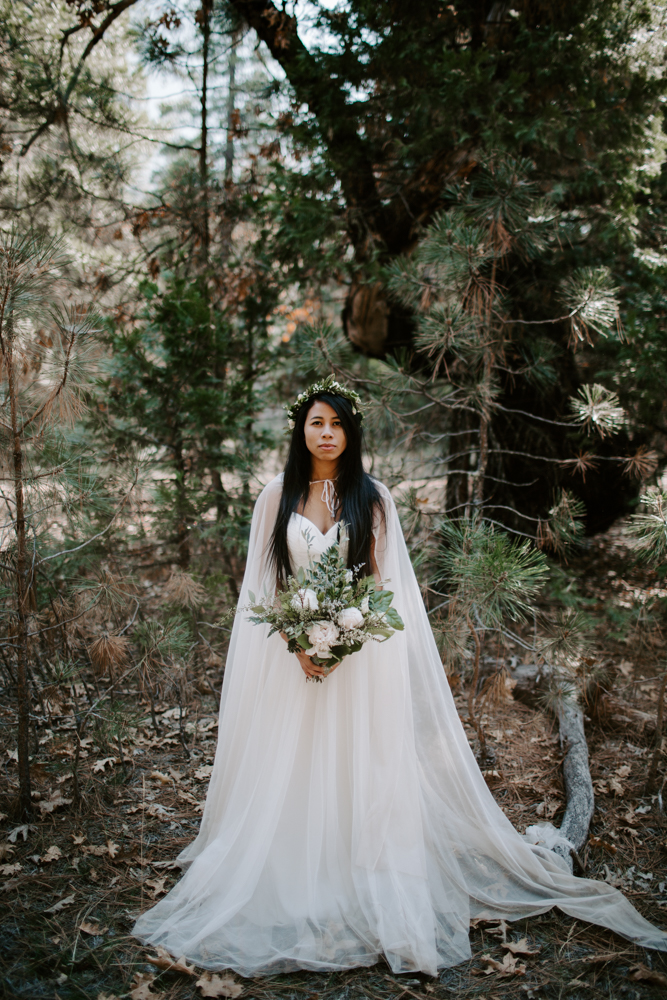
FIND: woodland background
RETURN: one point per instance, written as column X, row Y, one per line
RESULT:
column 462, row 209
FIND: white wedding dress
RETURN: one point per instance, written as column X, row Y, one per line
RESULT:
column 348, row 819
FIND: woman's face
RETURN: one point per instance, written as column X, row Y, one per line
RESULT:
column 325, row 437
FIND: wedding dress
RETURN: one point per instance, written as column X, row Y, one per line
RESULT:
column 349, row 819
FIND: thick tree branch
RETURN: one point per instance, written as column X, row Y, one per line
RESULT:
column 56, row 113
column 336, row 122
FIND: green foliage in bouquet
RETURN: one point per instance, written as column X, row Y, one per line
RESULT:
column 327, row 611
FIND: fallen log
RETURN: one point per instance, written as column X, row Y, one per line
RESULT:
column 577, row 778
column 579, row 795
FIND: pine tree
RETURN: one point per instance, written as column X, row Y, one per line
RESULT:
column 49, row 358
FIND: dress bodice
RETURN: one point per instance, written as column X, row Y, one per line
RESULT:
column 306, row 542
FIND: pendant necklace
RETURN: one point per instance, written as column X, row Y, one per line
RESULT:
column 329, row 495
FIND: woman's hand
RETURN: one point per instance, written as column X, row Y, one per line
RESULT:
column 309, row 668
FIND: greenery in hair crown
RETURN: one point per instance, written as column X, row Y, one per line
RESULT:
column 328, row 384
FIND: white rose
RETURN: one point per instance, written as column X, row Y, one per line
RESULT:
column 323, row 636
column 350, row 618
column 365, row 605
column 305, row 599
column 349, row 576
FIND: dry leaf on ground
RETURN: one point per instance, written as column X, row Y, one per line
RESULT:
column 101, row 764
column 141, row 989
column 90, row 928
column 203, row 772
column 163, row 960
column 499, row 929
column 164, row 779
column 11, row 869
column 61, row 904
column 78, row 838
column 53, row 802
column 159, row 811
column 216, row 986
column 107, row 996
column 508, row 967
column 157, row 885
column 23, row 830
column 641, row 972
column 520, row 947
column 53, row 853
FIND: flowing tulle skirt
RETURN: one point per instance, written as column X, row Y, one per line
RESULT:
column 328, row 847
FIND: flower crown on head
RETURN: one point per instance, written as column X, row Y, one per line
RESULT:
column 330, row 385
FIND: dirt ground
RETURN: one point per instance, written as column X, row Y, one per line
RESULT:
column 74, row 878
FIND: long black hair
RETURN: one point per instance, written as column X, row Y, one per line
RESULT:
column 358, row 495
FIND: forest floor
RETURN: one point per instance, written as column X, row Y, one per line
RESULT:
column 75, row 877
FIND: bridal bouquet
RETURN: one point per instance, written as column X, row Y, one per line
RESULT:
column 328, row 613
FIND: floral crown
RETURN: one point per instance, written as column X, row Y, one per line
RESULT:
column 330, row 385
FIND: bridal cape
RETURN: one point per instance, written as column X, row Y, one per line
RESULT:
column 349, row 819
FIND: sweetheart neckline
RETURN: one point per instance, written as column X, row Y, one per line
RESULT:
column 324, row 534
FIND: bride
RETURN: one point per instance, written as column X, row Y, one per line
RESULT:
column 348, row 819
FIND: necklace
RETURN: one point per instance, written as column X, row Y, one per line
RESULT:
column 329, row 495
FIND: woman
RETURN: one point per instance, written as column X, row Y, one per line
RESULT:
column 348, row 819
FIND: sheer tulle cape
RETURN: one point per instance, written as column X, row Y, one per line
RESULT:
column 349, row 819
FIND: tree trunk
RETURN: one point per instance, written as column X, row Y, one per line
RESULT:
column 231, row 93
column 23, row 690
column 204, row 16
column 652, row 778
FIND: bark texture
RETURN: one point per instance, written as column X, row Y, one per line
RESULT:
column 577, row 778
column 576, row 771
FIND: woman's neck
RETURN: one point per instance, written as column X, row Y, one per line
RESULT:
column 321, row 469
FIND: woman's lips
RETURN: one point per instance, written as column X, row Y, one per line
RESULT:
column 328, row 447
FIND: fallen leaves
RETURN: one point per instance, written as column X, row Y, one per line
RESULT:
column 520, row 947
column 22, row 831
column 141, row 990
column 164, row 779
column 159, row 811
column 642, row 973
column 100, row 765
column 164, row 961
column 204, row 772
column 53, row 802
column 598, row 842
column 11, row 869
column 548, row 808
column 8, row 886
column 53, row 853
column 217, row 986
column 94, row 930
column 509, row 966
column 61, row 904
column 110, row 849
column 157, row 885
